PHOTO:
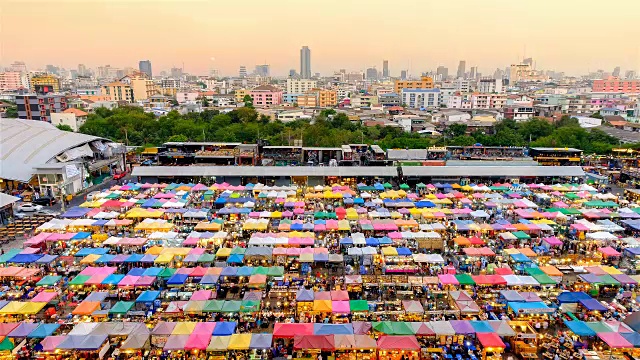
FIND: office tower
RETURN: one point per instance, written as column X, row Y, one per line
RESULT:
column 82, row 70
column 372, row 74
column 176, row 73
column 528, row 61
column 630, row 75
column 52, row 69
column 262, row 70
column 461, row 69
column 443, row 72
column 305, row 63
column 498, row 74
column 616, row 71
column 243, row 71
column 18, row 66
column 292, row 73
column 145, row 67
column 472, row 72
column 385, row 68
column 403, row 74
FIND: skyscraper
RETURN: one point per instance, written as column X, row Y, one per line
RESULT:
column 403, row 74
column 243, row 71
column 616, row 71
column 292, row 73
column 472, row 72
column 305, row 62
column 262, row 70
column 443, row 72
column 145, row 67
column 385, row 68
column 82, row 70
column 461, row 69
column 528, row 61
column 372, row 74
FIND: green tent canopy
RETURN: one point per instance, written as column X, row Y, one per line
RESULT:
column 404, row 187
column 121, row 307
column 213, row 306
column 521, row 235
column 49, row 280
column 387, row 185
column 465, row 279
column 79, row 280
column 544, row 279
column 166, row 273
column 358, row 305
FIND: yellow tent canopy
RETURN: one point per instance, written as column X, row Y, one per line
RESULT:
column 322, row 305
column 239, row 342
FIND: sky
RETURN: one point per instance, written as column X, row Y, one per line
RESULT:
column 574, row 36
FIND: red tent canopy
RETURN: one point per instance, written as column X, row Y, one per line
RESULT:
column 391, row 342
column 490, row 340
column 316, row 342
column 285, row 330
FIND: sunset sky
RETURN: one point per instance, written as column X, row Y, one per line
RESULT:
column 564, row 35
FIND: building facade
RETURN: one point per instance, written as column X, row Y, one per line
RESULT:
column 307, row 100
column 614, row 84
column 421, row 98
column 425, row 82
column 74, row 118
column 266, row 96
column 45, row 84
column 118, row 91
column 39, row 107
column 299, row 86
column 145, row 67
column 141, row 85
column 305, row 63
column 13, row 80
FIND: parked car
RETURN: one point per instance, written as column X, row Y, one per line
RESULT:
column 44, row 201
column 120, row 175
column 92, row 195
column 29, row 207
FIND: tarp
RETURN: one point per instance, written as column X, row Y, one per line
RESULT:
column 579, row 328
column 316, row 342
column 390, row 342
column 615, row 340
column 490, row 340
column 289, row 330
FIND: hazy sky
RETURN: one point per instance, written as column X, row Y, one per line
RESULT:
column 565, row 35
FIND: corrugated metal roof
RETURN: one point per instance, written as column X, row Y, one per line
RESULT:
column 27, row 143
column 7, row 199
column 488, row 171
column 345, row 171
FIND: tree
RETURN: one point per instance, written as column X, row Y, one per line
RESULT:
column 248, row 101
column 567, row 121
column 178, row 138
column 596, row 115
column 205, row 101
column 456, row 130
column 535, row 129
column 11, row 112
column 64, row 127
column 174, row 102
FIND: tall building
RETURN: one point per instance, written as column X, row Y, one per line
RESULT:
column 425, row 82
column 372, row 74
column 616, row 71
column 82, row 70
column 472, row 72
column 630, row 75
column 443, row 72
column 13, row 80
column 262, row 70
column 528, row 61
column 118, row 91
column 243, row 71
column 44, row 84
column 462, row 67
column 39, row 107
column 305, row 63
column 141, row 84
column 498, row 74
column 615, row 85
column 385, row 68
column 145, row 67
column 18, row 66
column 300, row 86
column 403, row 74
column 176, row 73
column 292, row 73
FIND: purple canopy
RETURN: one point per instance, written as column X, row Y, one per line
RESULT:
column 462, row 327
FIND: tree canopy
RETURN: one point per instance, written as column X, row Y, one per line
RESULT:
column 133, row 126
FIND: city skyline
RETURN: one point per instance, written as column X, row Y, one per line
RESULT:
column 555, row 45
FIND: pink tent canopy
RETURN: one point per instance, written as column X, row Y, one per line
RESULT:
column 553, row 241
column 145, row 281
column 448, row 279
column 37, row 240
column 128, row 280
column 609, row 251
column 204, row 328
column 340, row 307
column 45, row 296
column 615, row 340
column 50, row 343
column 96, row 279
column 339, row 295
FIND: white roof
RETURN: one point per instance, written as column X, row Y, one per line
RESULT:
column 7, row 199
column 28, row 143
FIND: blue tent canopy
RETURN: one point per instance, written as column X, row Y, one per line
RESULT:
column 403, row 251
column 482, row 326
column 75, row 212
column 358, row 201
column 81, row 235
column 425, row 204
column 136, row 272
column 244, row 271
column 592, row 305
column 134, row 258
column 104, row 259
column 148, row 296
column 229, row 271
column 333, row 329
column 148, row 258
column 209, row 279
column 152, row 271
column 534, row 307
column 235, row 259
column 43, row 330
column 580, row 328
column 88, row 251
column 224, row 328
column 520, row 258
column 113, row 279
column 177, row 279
column 25, row 258
column 572, row 297
column 372, row 241
column 346, row 241
column 100, row 223
column 633, row 338
column 45, row 259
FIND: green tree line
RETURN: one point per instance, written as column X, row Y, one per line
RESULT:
column 133, row 126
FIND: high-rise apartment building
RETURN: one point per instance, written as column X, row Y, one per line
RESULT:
column 403, row 75
column 472, row 72
column 242, row 72
column 372, row 74
column 385, row 69
column 425, row 82
column 44, row 84
column 262, row 70
column 443, row 72
column 39, row 107
column 118, row 91
column 145, row 67
column 305, row 62
column 616, row 72
column 462, row 67
column 18, row 66
column 300, row 86
column 176, row 73
column 13, row 80
column 82, row 70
